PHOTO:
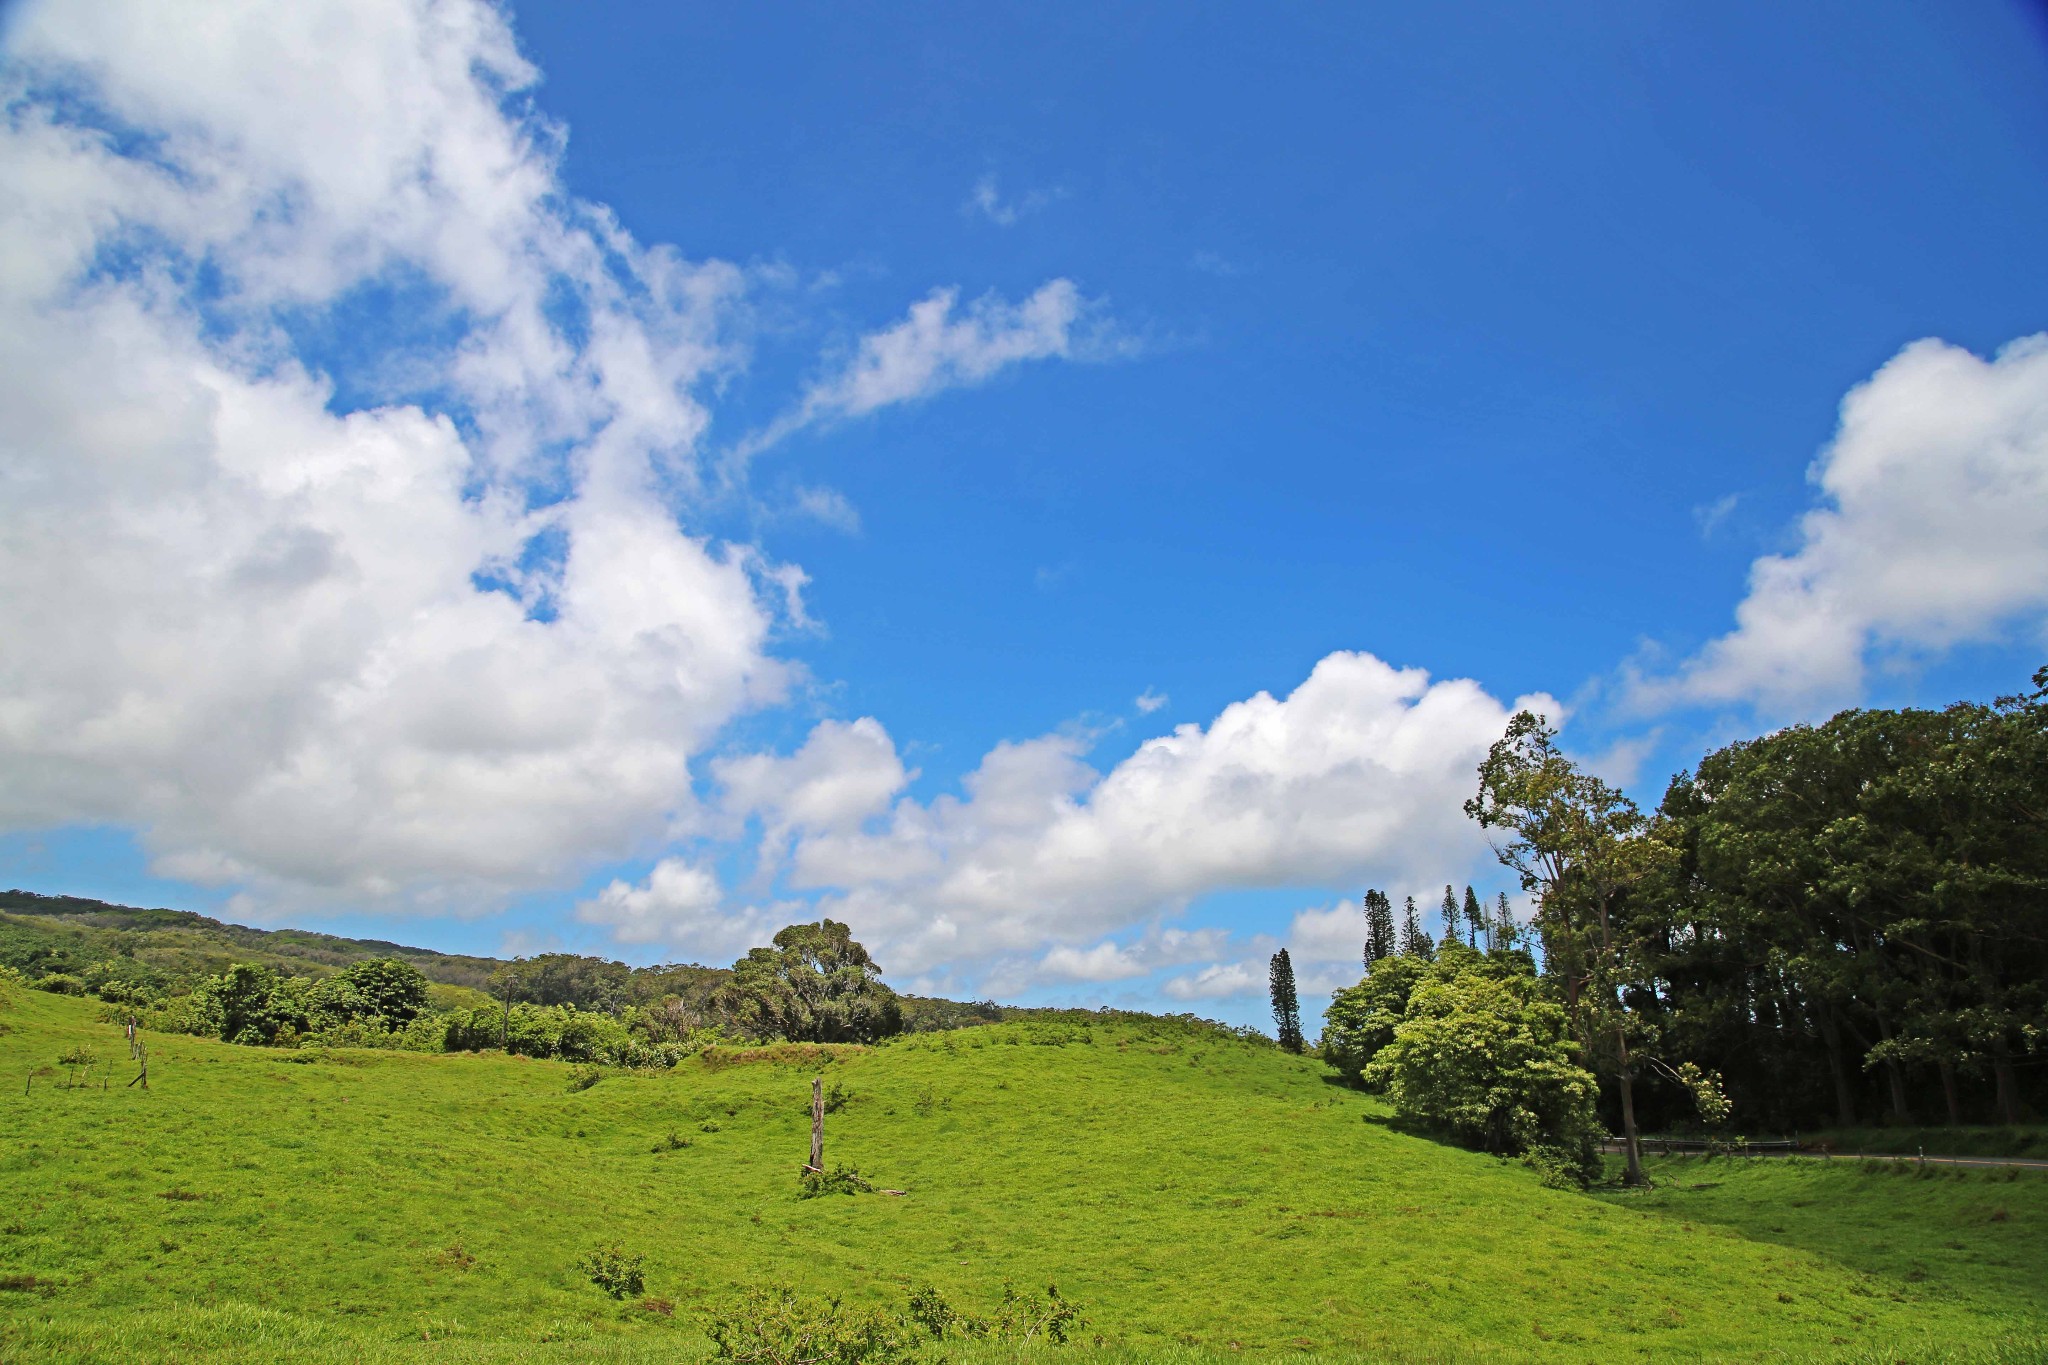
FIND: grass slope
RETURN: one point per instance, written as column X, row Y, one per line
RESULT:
column 1198, row 1196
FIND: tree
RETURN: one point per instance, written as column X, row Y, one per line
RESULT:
column 1361, row 1019
column 382, row 988
column 816, row 985
column 1447, row 910
column 1415, row 942
column 1475, row 918
column 1504, row 932
column 588, row 983
column 1379, row 926
column 1286, row 1007
column 1579, row 845
column 1482, row 1056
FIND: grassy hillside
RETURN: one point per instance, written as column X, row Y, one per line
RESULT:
column 1199, row 1196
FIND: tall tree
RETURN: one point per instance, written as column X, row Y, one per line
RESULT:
column 1286, row 1005
column 1379, row 926
column 1415, row 941
column 1475, row 918
column 1579, row 845
column 1503, row 932
column 1447, row 910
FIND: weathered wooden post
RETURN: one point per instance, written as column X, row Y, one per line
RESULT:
column 818, row 1124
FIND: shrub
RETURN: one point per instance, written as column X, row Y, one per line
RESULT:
column 838, row 1180
column 775, row 1326
column 583, row 1077
column 61, row 983
column 613, row 1271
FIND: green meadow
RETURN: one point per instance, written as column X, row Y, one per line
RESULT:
column 1201, row 1197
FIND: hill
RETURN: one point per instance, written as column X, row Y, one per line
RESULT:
column 1198, row 1194
column 41, row 934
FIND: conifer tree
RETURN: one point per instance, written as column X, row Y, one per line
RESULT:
column 1506, row 933
column 1475, row 918
column 1379, row 926
column 1414, row 942
column 1450, row 915
column 1286, row 1007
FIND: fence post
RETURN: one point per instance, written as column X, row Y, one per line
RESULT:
column 818, row 1124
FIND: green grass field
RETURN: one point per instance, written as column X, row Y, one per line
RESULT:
column 1200, row 1198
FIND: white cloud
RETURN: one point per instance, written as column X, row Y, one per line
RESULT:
column 1932, row 531
column 254, row 605
column 682, row 905
column 1220, row 981
column 1149, row 701
column 1357, row 775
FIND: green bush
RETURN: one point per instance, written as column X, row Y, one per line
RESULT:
column 613, row 1271
column 1483, row 1056
column 776, row 1326
column 838, row 1180
column 61, row 983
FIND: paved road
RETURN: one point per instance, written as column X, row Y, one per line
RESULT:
column 2024, row 1163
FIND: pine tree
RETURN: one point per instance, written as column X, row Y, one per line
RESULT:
column 1414, row 942
column 1450, row 914
column 1475, row 918
column 1506, row 931
column 1379, row 926
column 1286, row 1008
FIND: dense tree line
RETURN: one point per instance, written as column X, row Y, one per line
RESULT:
column 1831, row 925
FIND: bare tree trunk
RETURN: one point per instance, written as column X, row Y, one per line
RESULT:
column 2008, row 1085
column 818, row 1123
column 1845, row 1098
column 1948, row 1092
column 1633, row 1174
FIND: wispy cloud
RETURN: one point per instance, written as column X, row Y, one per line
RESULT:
column 942, row 345
column 1149, row 701
column 1708, row 516
column 987, row 201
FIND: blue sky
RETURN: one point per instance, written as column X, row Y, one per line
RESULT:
column 1500, row 347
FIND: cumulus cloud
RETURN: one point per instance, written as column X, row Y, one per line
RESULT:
column 1356, row 775
column 332, row 619
column 683, row 907
column 1931, row 532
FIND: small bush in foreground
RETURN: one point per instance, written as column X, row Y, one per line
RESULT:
column 777, row 1326
column 613, row 1271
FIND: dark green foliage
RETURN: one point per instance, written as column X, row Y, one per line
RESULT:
column 1415, row 940
column 614, row 1271
column 1286, row 1004
column 584, row 1077
column 1475, row 918
column 61, row 983
column 1379, row 926
column 839, row 1180
column 814, row 985
column 588, row 983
